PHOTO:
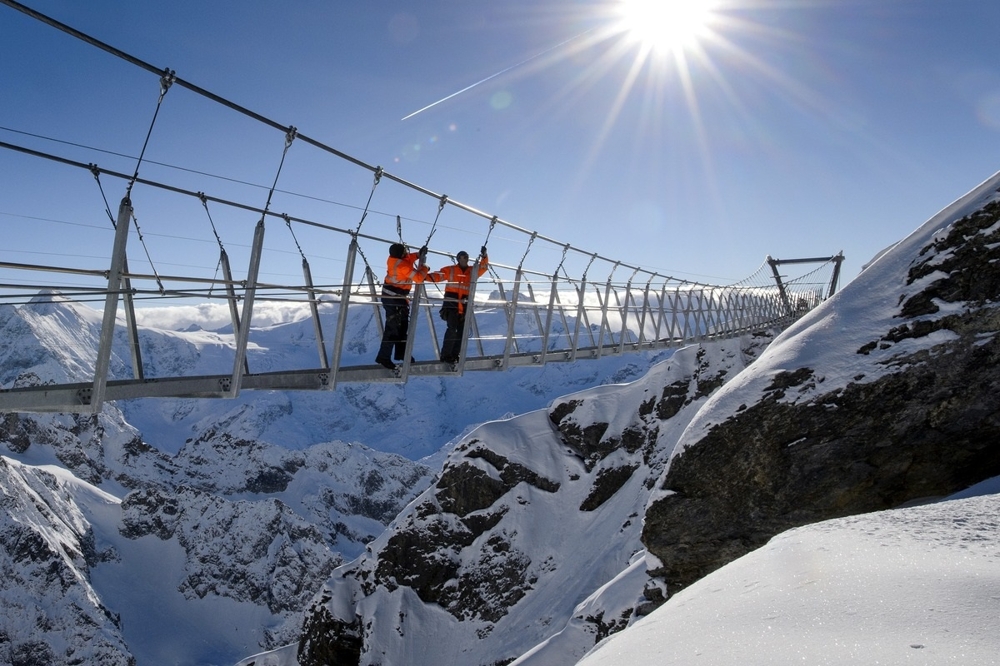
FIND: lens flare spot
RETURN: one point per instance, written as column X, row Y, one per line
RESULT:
column 501, row 100
column 988, row 111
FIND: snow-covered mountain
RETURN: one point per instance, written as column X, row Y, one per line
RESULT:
column 201, row 557
column 542, row 533
column 531, row 517
column 219, row 519
column 51, row 613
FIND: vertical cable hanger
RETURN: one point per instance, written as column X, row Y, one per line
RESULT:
column 204, row 202
column 290, row 135
column 218, row 239
column 534, row 234
column 166, row 80
column 288, row 223
column 364, row 214
column 142, row 241
column 107, row 207
column 561, row 261
column 493, row 223
column 441, row 203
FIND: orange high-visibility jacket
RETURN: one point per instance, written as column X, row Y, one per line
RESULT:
column 458, row 280
column 401, row 274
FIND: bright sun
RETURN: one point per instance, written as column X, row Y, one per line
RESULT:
column 666, row 25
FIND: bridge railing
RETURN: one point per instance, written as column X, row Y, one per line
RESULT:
column 518, row 317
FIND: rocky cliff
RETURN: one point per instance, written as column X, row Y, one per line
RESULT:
column 885, row 395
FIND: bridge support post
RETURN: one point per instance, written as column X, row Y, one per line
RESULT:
column 660, row 314
column 580, row 293
column 130, row 324
column 773, row 263
column 234, row 312
column 470, row 317
column 623, row 309
column 642, row 315
column 507, row 310
column 836, row 273
column 370, row 279
column 548, row 319
column 324, row 362
column 103, row 362
column 605, row 325
column 345, row 298
column 243, row 335
column 512, row 318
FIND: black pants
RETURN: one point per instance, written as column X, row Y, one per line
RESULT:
column 451, row 347
column 397, row 325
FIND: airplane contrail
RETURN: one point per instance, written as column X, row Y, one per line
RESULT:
column 502, row 71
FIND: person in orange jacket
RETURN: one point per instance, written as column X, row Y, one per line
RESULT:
column 400, row 276
column 456, row 297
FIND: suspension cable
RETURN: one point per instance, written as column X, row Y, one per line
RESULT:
column 96, row 171
column 613, row 269
column 589, row 264
column 107, row 208
column 364, row 214
column 527, row 250
column 288, row 223
column 290, row 134
column 493, row 223
column 166, row 80
column 142, row 241
column 368, row 267
column 563, row 260
column 204, row 202
column 218, row 239
column 441, row 203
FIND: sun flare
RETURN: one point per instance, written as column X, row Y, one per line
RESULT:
column 666, row 25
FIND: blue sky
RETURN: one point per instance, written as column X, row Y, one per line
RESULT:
column 792, row 128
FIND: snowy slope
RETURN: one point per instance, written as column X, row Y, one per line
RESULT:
column 909, row 586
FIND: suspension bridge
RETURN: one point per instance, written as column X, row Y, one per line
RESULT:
column 554, row 302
